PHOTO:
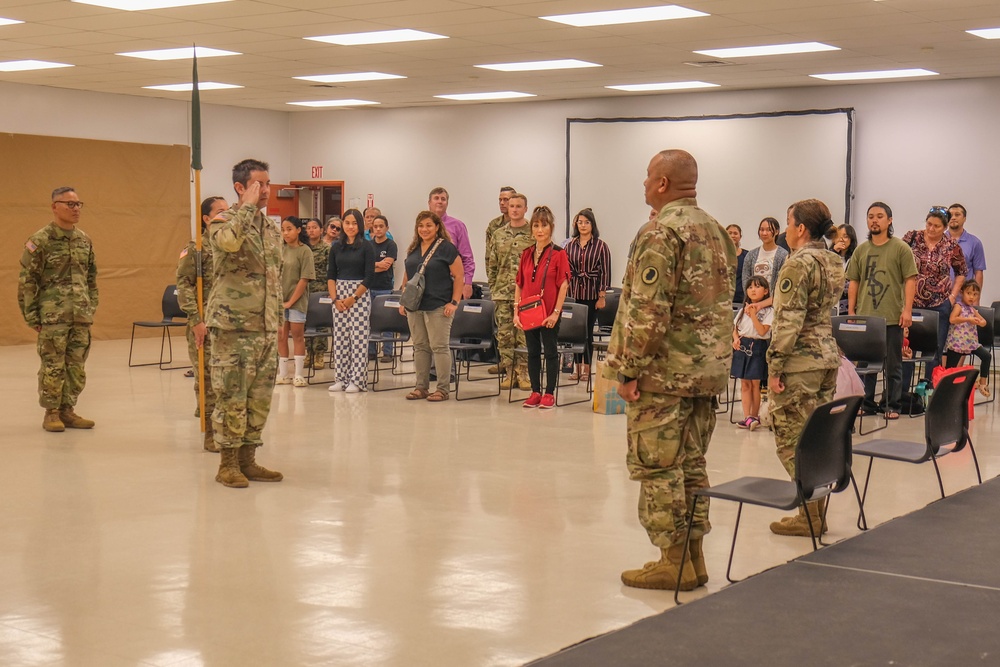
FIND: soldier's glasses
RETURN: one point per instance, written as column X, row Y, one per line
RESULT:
column 69, row 204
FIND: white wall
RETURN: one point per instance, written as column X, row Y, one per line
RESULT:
column 917, row 144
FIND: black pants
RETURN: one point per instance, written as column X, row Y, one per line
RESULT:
column 537, row 339
column 588, row 350
column 952, row 358
column 893, row 390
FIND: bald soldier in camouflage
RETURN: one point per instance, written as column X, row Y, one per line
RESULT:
column 243, row 316
column 57, row 293
column 503, row 259
column 187, row 299
column 802, row 359
column 670, row 352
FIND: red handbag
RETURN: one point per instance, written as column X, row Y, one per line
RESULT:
column 531, row 310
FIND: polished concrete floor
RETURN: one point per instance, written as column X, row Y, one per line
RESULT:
column 404, row 534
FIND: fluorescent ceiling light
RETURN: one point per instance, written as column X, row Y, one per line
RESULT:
column 377, row 37
column 470, row 97
column 333, row 103
column 4, row 21
column 349, row 78
column 619, row 16
column 769, row 50
column 138, row 5
column 674, row 85
column 569, row 63
column 202, row 85
column 27, row 65
column 184, row 53
column 884, row 74
column 986, row 33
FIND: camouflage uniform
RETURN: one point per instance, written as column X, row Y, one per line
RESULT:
column 243, row 316
column 491, row 227
column 187, row 299
column 673, row 333
column 503, row 258
column 57, row 291
column 321, row 257
column 803, row 352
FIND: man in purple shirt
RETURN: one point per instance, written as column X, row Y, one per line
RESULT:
column 972, row 247
column 437, row 203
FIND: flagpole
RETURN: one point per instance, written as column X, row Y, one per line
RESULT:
column 199, row 256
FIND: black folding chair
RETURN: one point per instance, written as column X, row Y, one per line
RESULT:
column 471, row 331
column 572, row 339
column 319, row 324
column 946, row 430
column 862, row 339
column 986, row 337
column 924, row 343
column 388, row 325
column 170, row 309
column 822, row 467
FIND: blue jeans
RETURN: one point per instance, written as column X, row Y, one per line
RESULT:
column 387, row 347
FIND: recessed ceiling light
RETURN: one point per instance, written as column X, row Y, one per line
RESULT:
column 333, row 103
column 674, row 85
column 4, row 21
column 377, row 37
column 619, row 16
column 986, row 33
column 884, row 74
column 768, row 50
column 470, row 97
column 349, row 78
column 138, row 5
column 569, row 63
column 184, row 53
column 26, row 65
column 202, row 85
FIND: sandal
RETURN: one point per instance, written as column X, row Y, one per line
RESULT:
column 574, row 376
column 438, row 396
column 416, row 395
column 984, row 390
column 891, row 414
column 745, row 423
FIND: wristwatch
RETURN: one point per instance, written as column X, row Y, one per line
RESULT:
column 453, row 302
column 624, row 378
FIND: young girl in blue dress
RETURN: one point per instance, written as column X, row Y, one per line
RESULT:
column 751, row 336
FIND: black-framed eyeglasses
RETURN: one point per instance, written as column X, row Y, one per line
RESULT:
column 69, row 204
column 939, row 209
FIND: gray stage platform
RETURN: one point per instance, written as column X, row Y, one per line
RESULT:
column 923, row 589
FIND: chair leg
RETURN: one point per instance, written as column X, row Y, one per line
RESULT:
column 975, row 459
column 812, row 531
column 732, row 548
column 868, row 475
column 862, row 519
column 130, row 345
column 937, row 471
column 687, row 544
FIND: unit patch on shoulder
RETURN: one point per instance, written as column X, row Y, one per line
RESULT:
column 649, row 275
column 30, row 246
column 785, row 286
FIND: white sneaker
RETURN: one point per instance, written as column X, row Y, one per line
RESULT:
column 352, row 389
column 299, row 381
column 283, row 380
column 336, row 386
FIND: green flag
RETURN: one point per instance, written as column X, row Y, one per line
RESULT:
column 195, row 115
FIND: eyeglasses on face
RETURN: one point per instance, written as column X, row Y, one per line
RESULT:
column 69, row 204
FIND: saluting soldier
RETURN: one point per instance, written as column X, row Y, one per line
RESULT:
column 187, row 299
column 670, row 351
column 243, row 316
column 57, row 293
column 503, row 261
column 802, row 358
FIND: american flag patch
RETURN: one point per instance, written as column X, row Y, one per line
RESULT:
column 31, row 246
column 183, row 253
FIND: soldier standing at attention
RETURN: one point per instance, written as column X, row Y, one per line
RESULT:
column 506, row 192
column 670, row 350
column 243, row 316
column 503, row 259
column 187, row 299
column 57, row 293
column 802, row 359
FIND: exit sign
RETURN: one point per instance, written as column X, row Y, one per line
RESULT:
column 317, row 172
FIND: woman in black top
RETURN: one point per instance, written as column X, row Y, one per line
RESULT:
column 430, row 325
column 350, row 272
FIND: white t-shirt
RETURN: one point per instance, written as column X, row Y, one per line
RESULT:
column 765, row 263
column 744, row 325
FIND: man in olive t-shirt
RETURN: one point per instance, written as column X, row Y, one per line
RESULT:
column 883, row 275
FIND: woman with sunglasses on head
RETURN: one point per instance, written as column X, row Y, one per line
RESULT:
column 590, row 265
column 937, row 255
column 544, row 273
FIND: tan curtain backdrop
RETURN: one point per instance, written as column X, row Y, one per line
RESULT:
column 138, row 213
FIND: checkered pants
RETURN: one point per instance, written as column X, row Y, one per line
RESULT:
column 350, row 336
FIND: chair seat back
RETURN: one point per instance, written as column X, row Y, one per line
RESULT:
column 385, row 317
column 473, row 321
column 573, row 325
column 823, row 453
column 924, row 332
column 170, row 306
column 606, row 316
column 946, row 421
column 987, row 333
column 319, row 315
column 861, row 337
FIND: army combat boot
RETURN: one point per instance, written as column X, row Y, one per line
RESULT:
column 698, row 561
column 254, row 472
column 210, row 445
column 72, row 420
column 662, row 574
column 51, row 421
column 797, row 526
column 229, row 469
